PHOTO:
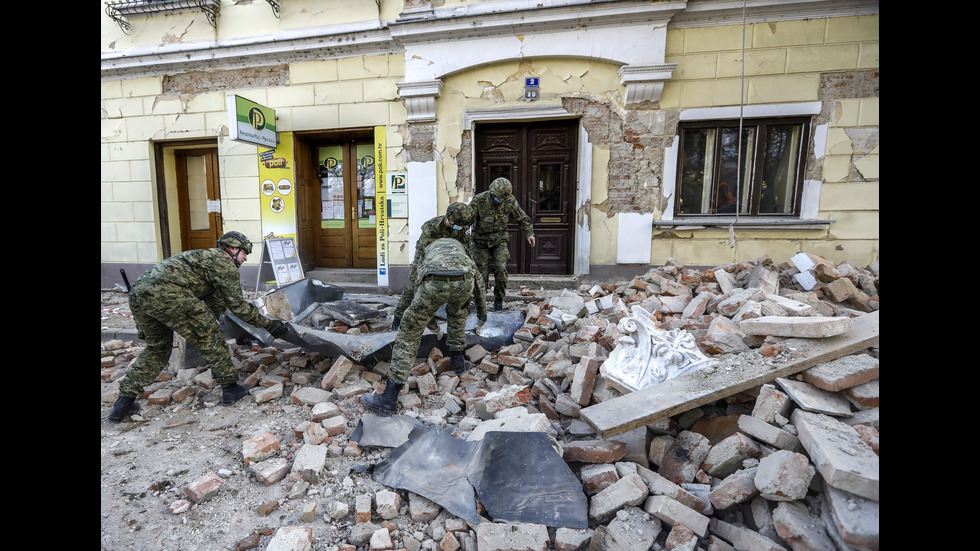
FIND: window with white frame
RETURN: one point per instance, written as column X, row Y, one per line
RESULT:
column 760, row 174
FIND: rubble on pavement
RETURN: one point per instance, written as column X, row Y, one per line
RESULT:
column 791, row 464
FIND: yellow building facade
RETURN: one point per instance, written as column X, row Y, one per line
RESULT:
column 616, row 121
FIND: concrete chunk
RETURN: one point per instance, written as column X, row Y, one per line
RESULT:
column 843, row 372
column 292, row 538
column 853, row 518
column 801, row 530
column 659, row 485
column 491, row 536
column 784, row 476
column 839, row 453
column 790, row 326
column 768, row 434
column 309, row 462
column 742, row 538
column 630, row 530
column 727, row 456
column 673, row 512
column 815, row 399
column 537, row 422
column 628, row 491
column 734, row 489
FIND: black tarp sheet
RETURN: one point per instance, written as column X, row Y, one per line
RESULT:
column 518, row 477
column 306, row 294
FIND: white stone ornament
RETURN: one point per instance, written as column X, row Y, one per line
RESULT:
column 646, row 356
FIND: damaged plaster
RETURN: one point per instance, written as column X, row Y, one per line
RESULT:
column 199, row 82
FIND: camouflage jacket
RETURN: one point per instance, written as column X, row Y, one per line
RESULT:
column 449, row 257
column 490, row 225
column 434, row 229
column 209, row 275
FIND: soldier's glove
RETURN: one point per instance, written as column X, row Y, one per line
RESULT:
column 276, row 328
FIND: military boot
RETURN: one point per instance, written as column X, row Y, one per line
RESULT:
column 124, row 407
column 459, row 363
column 232, row 393
column 385, row 403
column 395, row 323
column 498, row 304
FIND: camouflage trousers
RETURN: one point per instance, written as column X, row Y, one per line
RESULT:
column 160, row 311
column 493, row 258
column 431, row 293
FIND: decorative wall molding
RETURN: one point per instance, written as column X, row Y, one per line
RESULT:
column 645, row 82
column 420, row 99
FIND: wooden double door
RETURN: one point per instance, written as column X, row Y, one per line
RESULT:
column 336, row 212
column 539, row 159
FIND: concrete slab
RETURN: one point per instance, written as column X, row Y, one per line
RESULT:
column 810, row 327
column 839, row 453
column 680, row 394
column 814, row 399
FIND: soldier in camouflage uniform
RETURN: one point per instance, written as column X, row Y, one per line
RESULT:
column 455, row 224
column 187, row 293
column 446, row 275
column 491, row 210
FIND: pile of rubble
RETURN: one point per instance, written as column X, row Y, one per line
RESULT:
column 761, row 469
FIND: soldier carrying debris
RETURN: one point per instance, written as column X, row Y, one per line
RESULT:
column 186, row 293
column 446, row 275
column 492, row 209
column 455, row 224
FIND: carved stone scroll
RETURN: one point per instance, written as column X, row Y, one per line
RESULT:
column 646, row 355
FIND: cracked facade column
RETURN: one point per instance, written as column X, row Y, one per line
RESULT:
column 420, row 140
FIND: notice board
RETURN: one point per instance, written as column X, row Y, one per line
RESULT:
column 280, row 262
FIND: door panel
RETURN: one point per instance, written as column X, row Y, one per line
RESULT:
column 307, row 208
column 342, row 226
column 197, row 188
column 539, row 160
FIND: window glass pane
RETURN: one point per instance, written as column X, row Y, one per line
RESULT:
column 499, row 171
column 696, row 172
column 549, row 187
column 331, row 186
column 197, row 192
column 728, row 175
column 779, row 169
column 365, row 187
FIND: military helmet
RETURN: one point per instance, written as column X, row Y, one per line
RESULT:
column 460, row 214
column 501, row 188
column 237, row 240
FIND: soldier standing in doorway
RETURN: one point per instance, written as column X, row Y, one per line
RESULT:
column 491, row 210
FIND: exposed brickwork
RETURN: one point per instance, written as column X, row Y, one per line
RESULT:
column 199, row 82
column 419, row 140
column 464, row 165
column 636, row 147
column 848, row 85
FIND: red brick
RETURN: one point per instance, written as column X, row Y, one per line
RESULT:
column 595, row 451
column 203, row 487
column 337, row 372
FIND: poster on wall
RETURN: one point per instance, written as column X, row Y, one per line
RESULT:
column 277, row 174
column 397, row 195
column 379, row 204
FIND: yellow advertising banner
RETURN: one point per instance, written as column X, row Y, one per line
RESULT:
column 277, row 188
column 380, row 164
